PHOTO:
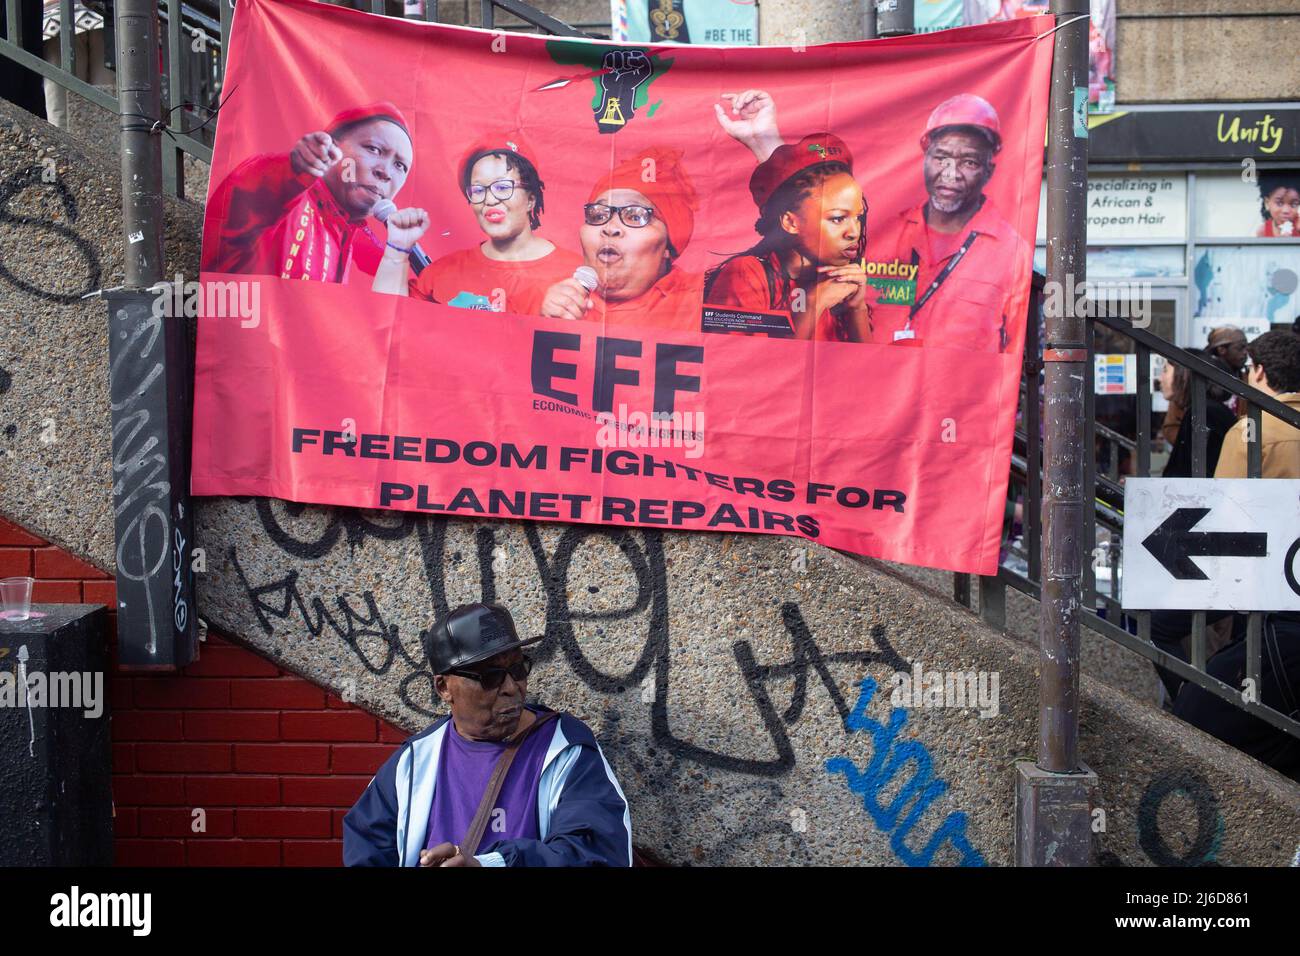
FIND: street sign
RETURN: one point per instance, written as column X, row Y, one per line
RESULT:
column 1230, row 544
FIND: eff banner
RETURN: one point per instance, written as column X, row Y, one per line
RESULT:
column 756, row 289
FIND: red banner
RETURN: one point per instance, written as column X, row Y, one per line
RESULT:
column 763, row 289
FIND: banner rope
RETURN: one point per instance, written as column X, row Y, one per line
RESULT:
column 1060, row 25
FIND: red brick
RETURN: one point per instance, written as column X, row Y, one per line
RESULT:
column 313, row 853
column 124, row 822
column 182, row 758
column 388, row 734
column 247, row 791
column 281, row 823
column 180, row 692
column 232, row 725
column 282, row 693
column 223, row 660
column 337, row 703
column 100, row 592
column 148, row 791
column 56, row 563
column 146, row 725
column 123, row 758
column 56, row 592
column 15, row 562
column 282, row 758
column 323, row 791
column 149, row 852
column 329, row 725
column 179, row 822
column 337, row 819
column 358, row 758
column 12, row 534
column 119, row 693
column 233, row 853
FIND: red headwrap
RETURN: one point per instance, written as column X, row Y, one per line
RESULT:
column 669, row 189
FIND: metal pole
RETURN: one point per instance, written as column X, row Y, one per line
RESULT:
column 149, row 380
column 1066, row 351
column 869, row 19
column 1053, row 797
column 140, row 103
column 895, row 18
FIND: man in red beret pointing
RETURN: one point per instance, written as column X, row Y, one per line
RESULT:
column 302, row 215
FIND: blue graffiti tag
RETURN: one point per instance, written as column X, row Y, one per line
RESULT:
column 888, row 760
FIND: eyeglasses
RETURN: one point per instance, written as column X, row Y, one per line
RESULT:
column 502, row 189
column 636, row 216
column 493, row 677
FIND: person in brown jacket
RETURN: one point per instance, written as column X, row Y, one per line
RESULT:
column 1274, row 369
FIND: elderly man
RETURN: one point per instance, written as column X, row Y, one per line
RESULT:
column 1226, row 342
column 636, row 225
column 497, row 782
column 972, row 285
column 302, row 215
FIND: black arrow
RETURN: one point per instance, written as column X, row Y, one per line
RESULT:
column 1174, row 544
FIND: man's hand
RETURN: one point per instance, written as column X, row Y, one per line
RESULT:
column 750, row 119
column 315, row 153
column 460, row 859
column 567, row 299
column 437, row 855
column 406, row 226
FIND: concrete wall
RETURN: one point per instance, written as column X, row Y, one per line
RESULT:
column 717, row 670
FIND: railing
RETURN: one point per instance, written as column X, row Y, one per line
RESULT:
column 195, row 38
column 1102, row 608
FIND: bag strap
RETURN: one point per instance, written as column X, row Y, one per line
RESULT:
column 469, row 845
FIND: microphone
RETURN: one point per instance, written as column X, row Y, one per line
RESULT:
column 419, row 258
column 587, row 278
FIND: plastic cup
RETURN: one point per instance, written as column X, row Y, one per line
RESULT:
column 16, row 598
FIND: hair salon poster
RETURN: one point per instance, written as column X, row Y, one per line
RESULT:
column 764, row 290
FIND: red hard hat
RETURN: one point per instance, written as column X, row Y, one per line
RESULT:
column 965, row 109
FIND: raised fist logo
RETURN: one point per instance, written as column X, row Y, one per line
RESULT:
column 625, row 70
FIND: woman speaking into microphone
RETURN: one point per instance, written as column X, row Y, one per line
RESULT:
column 634, row 229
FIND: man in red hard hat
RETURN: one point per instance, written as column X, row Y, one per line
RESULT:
column 972, row 277
column 302, row 214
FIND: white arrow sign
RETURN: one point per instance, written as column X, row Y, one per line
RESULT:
column 1227, row 544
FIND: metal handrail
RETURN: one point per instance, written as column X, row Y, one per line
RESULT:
column 1203, row 373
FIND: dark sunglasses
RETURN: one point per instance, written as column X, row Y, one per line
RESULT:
column 493, row 677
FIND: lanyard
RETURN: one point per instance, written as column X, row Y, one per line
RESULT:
column 938, row 280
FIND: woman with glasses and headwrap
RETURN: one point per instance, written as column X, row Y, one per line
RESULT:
column 635, row 226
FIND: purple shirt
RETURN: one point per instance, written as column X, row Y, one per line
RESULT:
column 464, row 769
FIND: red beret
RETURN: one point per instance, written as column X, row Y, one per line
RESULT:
column 383, row 111
column 501, row 141
column 788, row 160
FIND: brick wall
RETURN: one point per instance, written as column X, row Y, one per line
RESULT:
column 272, row 760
